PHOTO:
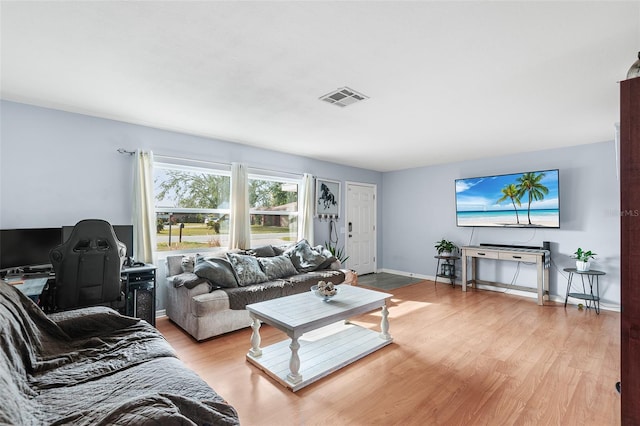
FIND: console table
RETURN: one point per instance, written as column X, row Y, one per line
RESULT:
column 538, row 256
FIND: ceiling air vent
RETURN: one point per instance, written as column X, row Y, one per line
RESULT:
column 343, row 97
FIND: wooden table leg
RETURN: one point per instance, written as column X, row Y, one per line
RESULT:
column 255, row 350
column 464, row 271
column 546, row 283
column 540, row 280
column 474, row 271
column 384, row 324
column 294, row 363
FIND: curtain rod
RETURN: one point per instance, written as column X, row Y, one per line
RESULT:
column 257, row 169
column 169, row 157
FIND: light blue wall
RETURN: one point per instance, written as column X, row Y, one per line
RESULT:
column 57, row 168
column 419, row 209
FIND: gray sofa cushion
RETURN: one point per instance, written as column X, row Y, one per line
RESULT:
column 333, row 276
column 247, row 269
column 174, row 265
column 264, row 251
column 277, row 267
column 218, row 271
column 281, row 249
column 240, row 297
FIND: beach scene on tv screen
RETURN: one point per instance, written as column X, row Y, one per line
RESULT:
column 527, row 199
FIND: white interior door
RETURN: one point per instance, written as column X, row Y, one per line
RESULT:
column 361, row 227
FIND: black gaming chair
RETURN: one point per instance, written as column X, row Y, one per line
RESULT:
column 88, row 265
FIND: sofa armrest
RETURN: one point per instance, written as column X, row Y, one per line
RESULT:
column 188, row 293
column 206, row 304
column 179, row 301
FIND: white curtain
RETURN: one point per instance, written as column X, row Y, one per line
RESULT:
column 305, row 211
column 239, row 225
column 144, row 221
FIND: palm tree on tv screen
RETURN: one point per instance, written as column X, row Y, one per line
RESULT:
column 530, row 183
column 510, row 191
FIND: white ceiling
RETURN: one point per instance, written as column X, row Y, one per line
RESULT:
column 447, row 81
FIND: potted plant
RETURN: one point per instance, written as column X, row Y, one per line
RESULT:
column 338, row 253
column 445, row 247
column 583, row 259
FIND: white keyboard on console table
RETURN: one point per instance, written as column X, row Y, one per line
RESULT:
column 515, row 254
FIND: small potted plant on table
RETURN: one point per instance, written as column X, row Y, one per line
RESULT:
column 446, row 248
column 583, row 259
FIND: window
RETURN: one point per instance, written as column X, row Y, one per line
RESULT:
column 274, row 210
column 192, row 207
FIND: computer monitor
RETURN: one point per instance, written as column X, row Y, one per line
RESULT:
column 124, row 233
column 27, row 247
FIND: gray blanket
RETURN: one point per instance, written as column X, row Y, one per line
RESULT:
column 93, row 366
column 240, row 297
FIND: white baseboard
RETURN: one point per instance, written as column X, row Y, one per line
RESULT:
column 530, row 295
column 407, row 274
column 161, row 313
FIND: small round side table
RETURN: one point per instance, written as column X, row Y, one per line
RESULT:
column 588, row 297
column 446, row 268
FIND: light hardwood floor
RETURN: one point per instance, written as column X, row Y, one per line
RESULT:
column 475, row 358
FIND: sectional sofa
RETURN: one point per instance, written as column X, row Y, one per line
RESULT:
column 210, row 299
column 93, row 366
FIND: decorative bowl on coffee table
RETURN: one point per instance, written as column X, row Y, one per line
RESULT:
column 325, row 294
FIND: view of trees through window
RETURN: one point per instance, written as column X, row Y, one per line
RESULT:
column 193, row 209
column 274, row 211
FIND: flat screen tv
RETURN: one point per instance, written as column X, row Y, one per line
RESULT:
column 27, row 247
column 517, row 200
column 124, row 233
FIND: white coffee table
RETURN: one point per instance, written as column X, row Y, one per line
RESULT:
column 329, row 342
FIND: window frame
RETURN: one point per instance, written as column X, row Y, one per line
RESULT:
column 185, row 166
column 277, row 177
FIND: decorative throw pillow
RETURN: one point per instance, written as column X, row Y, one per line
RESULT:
column 247, row 269
column 304, row 257
column 264, row 251
column 222, row 254
column 188, row 263
column 187, row 279
column 281, row 249
column 277, row 267
column 326, row 253
column 218, row 271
